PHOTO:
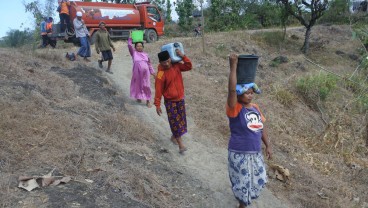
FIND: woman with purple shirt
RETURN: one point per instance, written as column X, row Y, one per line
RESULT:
column 140, row 85
column 246, row 166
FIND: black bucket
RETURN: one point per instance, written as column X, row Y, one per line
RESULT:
column 246, row 69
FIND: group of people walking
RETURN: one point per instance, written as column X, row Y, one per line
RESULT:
column 246, row 164
column 168, row 84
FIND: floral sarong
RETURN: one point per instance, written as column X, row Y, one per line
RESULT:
column 247, row 174
column 177, row 117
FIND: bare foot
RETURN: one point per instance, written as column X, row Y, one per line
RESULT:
column 174, row 141
column 149, row 104
column 182, row 150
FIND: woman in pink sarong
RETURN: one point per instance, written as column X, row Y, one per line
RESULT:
column 140, row 85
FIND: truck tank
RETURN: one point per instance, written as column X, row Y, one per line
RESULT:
column 114, row 15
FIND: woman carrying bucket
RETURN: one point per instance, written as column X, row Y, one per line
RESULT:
column 246, row 166
column 140, row 85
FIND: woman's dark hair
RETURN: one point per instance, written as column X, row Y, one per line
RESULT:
column 135, row 44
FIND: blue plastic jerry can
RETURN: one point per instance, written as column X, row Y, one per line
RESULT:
column 171, row 48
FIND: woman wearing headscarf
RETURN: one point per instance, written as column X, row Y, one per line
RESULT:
column 140, row 85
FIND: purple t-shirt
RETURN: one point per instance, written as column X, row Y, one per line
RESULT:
column 246, row 126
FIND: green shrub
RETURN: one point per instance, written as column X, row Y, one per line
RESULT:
column 316, row 87
column 337, row 13
column 362, row 103
column 283, row 95
column 359, row 88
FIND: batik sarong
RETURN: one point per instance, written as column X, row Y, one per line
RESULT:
column 177, row 117
column 247, row 175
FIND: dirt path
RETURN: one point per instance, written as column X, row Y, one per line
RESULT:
column 206, row 163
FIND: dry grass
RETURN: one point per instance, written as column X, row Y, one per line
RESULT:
column 283, row 95
column 73, row 120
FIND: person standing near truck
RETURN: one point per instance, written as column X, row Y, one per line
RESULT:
column 82, row 33
column 50, row 40
column 103, row 43
column 64, row 15
column 44, row 32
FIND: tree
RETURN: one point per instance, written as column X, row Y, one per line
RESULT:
column 185, row 9
column 160, row 4
column 236, row 14
column 284, row 16
column 34, row 8
column 168, row 11
column 307, row 13
column 338, row 12
column 16, row 38
column 216, row 14
column 50, row 8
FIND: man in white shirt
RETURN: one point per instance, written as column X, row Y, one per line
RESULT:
column 82, row 33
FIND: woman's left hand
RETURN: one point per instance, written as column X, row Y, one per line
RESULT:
column 269, row 153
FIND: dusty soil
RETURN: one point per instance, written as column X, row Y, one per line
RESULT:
column 79, row 120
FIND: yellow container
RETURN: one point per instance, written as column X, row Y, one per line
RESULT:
column 137, row 36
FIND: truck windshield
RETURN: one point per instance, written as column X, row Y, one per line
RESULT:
column 154, row 14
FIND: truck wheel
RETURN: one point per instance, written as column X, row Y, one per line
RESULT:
column 151, row 36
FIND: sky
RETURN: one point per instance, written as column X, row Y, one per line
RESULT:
column 13, row 16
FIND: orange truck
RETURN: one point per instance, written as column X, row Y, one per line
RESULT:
column 120, row 19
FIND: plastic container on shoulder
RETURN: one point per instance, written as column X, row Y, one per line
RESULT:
column 246, row 68
column 137, row 36
column 171, row 48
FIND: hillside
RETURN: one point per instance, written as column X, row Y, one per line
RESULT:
column 76, row 119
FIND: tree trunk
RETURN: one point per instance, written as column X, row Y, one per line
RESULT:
column 305, row 47
column 284, row 32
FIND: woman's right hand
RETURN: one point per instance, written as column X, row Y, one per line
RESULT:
column 233, row 59
column 158, row 111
